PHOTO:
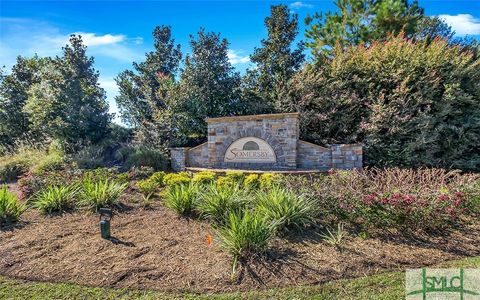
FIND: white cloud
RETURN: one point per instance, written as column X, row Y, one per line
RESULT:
column 235, row 58
column 138, row 40
column 27, row 37
column 299, row 4
column 462, row 24
column 91, row 39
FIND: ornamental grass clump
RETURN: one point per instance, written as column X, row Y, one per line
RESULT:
column 10, row 208
column 286, row 208
column 252, row 182
column 98, row 194
column 56, row 198
column 244, row 234
column 181, row 197
column 216, row 202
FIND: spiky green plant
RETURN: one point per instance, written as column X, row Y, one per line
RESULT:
column 56, row 198
column 97, row 194
column 252, row 182
column 10, row 208
column 181, row 197
column 335, row 237
column 286, row 208
column 244, row 234
column 218, row 201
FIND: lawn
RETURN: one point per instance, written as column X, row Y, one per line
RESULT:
column 382, row 286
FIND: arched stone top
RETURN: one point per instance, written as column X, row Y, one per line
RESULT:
column 250, row 150
column 256, row 133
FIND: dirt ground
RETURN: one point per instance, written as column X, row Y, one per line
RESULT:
column 154, row 249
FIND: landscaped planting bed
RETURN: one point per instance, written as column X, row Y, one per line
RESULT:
column 180, row 238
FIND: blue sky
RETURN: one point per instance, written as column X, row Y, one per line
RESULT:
column 118, row 33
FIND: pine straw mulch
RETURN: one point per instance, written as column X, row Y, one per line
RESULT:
column 154, row 249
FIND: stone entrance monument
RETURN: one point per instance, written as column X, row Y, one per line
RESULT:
column 263, row 142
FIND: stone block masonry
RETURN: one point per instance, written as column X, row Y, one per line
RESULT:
column 263, row 142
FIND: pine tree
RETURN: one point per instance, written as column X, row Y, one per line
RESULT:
column 276, row 61
column 361, row 21
column 138, row 90
column 143, row 92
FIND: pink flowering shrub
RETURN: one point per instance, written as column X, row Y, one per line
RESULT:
column 398, row 199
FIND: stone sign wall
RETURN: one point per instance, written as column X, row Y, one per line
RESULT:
column 263, row 142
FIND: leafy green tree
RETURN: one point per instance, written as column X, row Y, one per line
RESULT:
column 411, row 103
column 429, row 28
column 361, row 22
column 208, row 87
column 68, row 104
column 276, row 62
column 143, row 92
column 14, row 123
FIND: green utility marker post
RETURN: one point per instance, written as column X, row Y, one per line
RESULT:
column 105, row 218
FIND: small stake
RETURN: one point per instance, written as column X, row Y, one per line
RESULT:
column 105, row 218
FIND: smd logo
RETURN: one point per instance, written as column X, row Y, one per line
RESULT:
column 462, row 284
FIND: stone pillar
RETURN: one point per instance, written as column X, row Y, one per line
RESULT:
column 347, row 156
column 179, row 158
column 292, row 128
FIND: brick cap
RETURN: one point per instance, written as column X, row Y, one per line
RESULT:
column 253, row 117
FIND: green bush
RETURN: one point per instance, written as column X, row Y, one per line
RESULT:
column 285, row 208
column 143, row 157
column 56, row 198
column 204, row 177
column 10, row 208
column 176, row 178
column 10, row 170
column 181, row 197
column 140, row 172
column 235, row 176
column 158, row 177
column 268, row 180
column 216, row 202
column 89, row 157
column 224, row 181
column 147, row 186
column 150, row 185
column 244, row 234
column 252, row 182
column 382, row 94
column 96, row 195
column 396, row 200
column 53, row 161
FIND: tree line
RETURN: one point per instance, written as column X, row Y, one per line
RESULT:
column 381, row 73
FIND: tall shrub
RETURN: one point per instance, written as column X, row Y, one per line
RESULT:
column 411, row 103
